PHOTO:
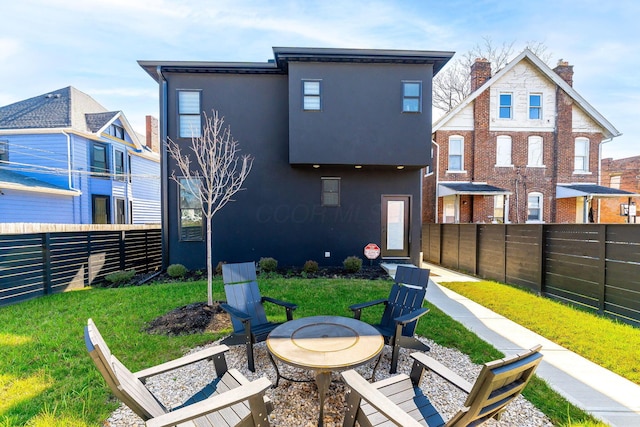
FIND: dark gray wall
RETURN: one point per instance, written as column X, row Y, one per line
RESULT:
column 361, row 122
column 279, row 212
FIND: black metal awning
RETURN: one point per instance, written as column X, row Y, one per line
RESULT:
column 590, row 190
column 470, row 188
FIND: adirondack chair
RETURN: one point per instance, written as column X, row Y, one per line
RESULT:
column 402, row 310
column 230, row 399
column 400, row 401
column 245, row 307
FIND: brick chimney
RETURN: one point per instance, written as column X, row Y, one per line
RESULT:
column 480, row 73
column 564, row 70
column 152, row 134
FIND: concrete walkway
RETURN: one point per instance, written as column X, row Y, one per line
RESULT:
column 607, row 396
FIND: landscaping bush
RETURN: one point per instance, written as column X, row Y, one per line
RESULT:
column 176, row 271
column 310, row 267
column 268, row 265
column 352, row 264
column 120, row 277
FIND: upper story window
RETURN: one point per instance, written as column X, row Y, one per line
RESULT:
column 119, row 165
column 581, row 155
column 534, row 207
column 4, row 151
column 456, row 151
column 535, row 106
column 615, row 182
column 311, row 95
column 116, row 131
column 330, row 192
column 503, row 151
column 99, row 158
column 191, row 220
column 506, row 106
column 189, row 120
column 534, row 147
column 411, row 97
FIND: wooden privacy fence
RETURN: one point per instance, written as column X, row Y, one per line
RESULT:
column 37, row 264
column 595, row 266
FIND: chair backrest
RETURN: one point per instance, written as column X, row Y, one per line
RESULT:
column 120, row 380
column 402, row 300
column 406, row 275
column 242, row 292
column 497, row 385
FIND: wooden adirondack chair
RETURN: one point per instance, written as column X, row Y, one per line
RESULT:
column 402, row 310
column 399, row 400
column 245, row 307
column 229, row 400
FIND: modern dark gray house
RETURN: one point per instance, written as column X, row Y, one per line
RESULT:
column 339, row 137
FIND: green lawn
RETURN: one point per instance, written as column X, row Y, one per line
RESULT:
column 48, row 379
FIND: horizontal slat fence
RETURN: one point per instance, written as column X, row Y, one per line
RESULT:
column 37, row 264
column 594, row 266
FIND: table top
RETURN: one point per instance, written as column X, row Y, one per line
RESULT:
column 325, row 343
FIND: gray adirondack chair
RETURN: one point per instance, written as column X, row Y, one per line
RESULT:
column 229, row 400
column 399, row 400
column 402, row 310
column 245, row 307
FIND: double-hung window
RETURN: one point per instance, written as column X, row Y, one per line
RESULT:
column 411, row 97
column 4, row 151
column 534, row 207
column 506, row 106
column 191, row 221
column 535, row 106
column 615, row 182
column 330, row 192
column 99, row 158
column 503, row 150
column 581, row 155
column 119, row 165
column 189, row 119
column 311, row 95
column 534, row 151
column 456, row 150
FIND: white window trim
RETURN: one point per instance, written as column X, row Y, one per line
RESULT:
column 461, row 170
column 510, row 106
column 539, row 108
column 541, row 216
column 586, row 156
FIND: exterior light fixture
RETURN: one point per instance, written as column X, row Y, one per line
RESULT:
column 400, row 167
column 316, row 166
column 358, row 166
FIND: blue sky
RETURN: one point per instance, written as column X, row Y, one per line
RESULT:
column 93, row 45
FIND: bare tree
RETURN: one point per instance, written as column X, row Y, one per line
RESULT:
column 452, row 85
column 213, row 177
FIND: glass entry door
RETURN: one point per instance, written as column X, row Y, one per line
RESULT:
column 395, row 226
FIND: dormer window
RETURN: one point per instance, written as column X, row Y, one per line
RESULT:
column 311, row 95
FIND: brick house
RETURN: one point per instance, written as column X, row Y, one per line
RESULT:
column 524, row 146
column 621, row 174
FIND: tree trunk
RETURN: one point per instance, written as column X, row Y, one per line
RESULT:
column 209, row 267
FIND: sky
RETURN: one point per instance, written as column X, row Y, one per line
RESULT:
column 94, row 45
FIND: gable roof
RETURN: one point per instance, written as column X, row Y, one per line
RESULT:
column 609, row 130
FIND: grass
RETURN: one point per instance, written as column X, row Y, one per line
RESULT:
column 608, row 343
column 47, row 378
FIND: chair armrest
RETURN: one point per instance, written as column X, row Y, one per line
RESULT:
column 235, row 312
column 212, row 404
column 410, row 317
column 362, row 305
column 423, row 361
column 285, row 304
column 379, row 401
column 207, row 353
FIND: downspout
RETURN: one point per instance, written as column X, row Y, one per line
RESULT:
column 164, row 211
column 70, row 176
column 436, row 172
column 600, row 171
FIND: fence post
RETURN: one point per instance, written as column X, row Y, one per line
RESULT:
column 46, row 261
column 122, row 250
column 602, row 265
column 542, row 254
column 89, row 268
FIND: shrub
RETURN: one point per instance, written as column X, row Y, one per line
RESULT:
column 352, row 264
column 176, row 271
column 310, row 267
column 120, row 277
column 268, row 265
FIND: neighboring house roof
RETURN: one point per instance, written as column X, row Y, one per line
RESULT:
column 14, row 181
column 284, row 55
column 461, row 188
column 66, row 108
column 565, row 191
column 608, row 129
